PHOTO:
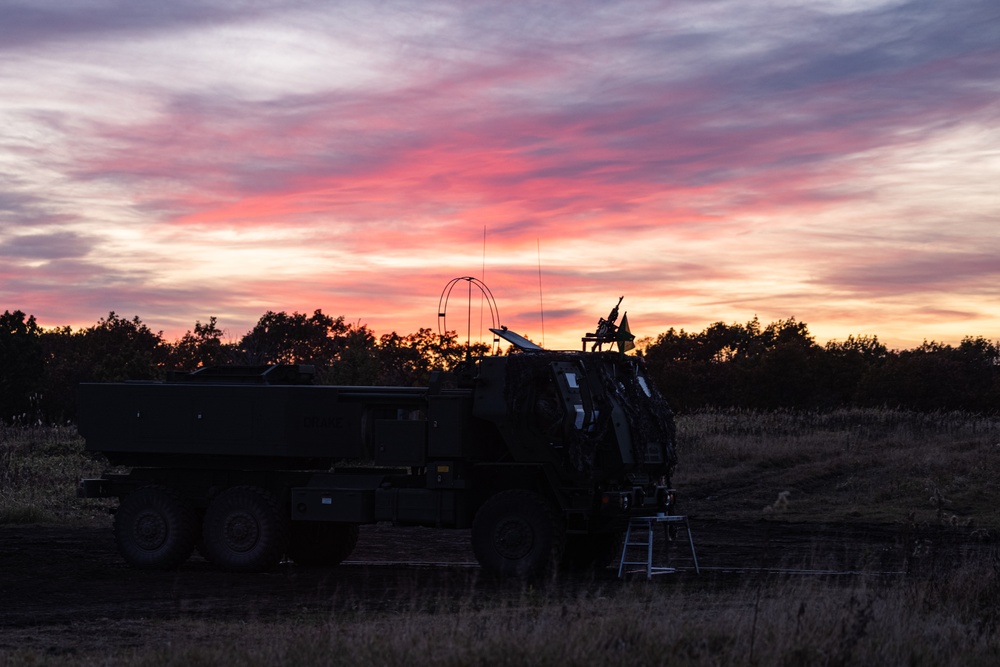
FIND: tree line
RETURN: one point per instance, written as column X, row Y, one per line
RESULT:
column 41, row 368
column 781, row 366
column 748, row 366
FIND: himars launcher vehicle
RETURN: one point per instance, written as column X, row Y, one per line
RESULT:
column 544, row 455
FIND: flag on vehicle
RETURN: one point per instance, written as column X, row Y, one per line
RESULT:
column 624, row 336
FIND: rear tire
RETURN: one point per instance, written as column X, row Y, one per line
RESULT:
column 155, row 529
column 322, row 544
column 244, row 531
column 517, row 533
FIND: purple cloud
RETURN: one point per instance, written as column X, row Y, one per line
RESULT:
column 56, row 245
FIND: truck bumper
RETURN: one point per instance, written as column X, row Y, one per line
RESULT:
column 638, row 501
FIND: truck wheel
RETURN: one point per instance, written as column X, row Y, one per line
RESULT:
column 155, row 529
column 244, row 530
column 322, row 544
column 595, row 551
column 517, row 533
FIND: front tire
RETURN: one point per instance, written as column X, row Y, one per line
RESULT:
column 155, row 529
column 517, row 533
column 244, row 530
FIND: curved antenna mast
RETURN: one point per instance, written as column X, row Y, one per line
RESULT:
column 487, row 295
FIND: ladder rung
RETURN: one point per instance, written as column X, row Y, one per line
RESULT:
column 646, row 524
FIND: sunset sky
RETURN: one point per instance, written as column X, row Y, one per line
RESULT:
column 711, row 160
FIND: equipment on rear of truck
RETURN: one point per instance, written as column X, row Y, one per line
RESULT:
column 543, row 454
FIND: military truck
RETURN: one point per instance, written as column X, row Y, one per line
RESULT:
column 543, row 454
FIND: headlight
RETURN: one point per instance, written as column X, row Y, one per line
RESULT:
column 664, row 499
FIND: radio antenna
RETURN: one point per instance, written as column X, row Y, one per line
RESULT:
column 482, row 295
column 541, row 304
column 490, row 302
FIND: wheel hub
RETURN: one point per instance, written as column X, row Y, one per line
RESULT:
column 150, row 531
column 241, row 532
column 513, row 538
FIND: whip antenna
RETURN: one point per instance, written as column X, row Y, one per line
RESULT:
column 541, row 304
column 482, row 297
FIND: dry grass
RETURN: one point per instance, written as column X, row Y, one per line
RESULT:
column 951, row 621
column 40, row 467
column 880, row 466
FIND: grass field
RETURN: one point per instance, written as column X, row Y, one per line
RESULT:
column 784, row 622
column 39, row 470
column 866, row 466
column 880, row 466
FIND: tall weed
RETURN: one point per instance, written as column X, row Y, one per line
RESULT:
column 40, row 467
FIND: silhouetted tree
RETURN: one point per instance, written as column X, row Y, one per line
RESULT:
column 21, row 366
column 280, row 338
column 402, row 363
column 785, row 371
column 201, row 347
column 936, row 376
column 692, row 370
column 357, row 359
column 442, row 352
column 740, row 365
column 116, row 349
column 727, row 365
column 847, row 363
column 979, row 360
column 112, row 350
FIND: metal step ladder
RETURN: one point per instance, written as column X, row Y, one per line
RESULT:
column 639, row 536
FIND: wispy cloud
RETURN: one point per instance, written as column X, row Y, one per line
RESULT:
column 57, row 245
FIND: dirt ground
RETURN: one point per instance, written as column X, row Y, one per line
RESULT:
column 65, row 589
